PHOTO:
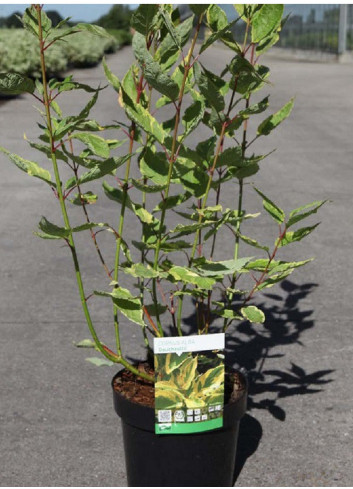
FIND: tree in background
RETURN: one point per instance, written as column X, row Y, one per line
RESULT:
column 118, row 17
column 11, row 22
column 54, row 16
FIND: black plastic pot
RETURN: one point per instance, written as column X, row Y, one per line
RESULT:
column 196, row 460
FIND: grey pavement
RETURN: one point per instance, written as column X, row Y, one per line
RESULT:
column 57, row 423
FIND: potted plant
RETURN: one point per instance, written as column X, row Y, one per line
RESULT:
column 165, row 170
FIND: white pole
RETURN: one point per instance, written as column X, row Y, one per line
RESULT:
column 342, row 30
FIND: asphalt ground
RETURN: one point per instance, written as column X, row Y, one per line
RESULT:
column 57, row 423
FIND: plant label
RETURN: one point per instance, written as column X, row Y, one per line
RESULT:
column 189, row 388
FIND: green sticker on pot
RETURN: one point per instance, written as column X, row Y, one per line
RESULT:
column 189, row 388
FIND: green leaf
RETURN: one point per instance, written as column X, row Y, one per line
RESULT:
column 214, row 268
column 280, row 271
column 260, row 265
column 52, row 231
column 198, row 8
column 87, row 109
column 100, row 362
column 274, row 211
column 271, row 38
column 227, row 314
column 151, row 309
column 33, row 169
column 252, row 242
column 46, row 149
column 61, row 23
column 168, row 52
column 87, row 343
column 177, row 76
column 230, row 157
column 246, row 77
column 112, row 79
column 256, row 108
column 143, row 118
column 103, row 168
column 94, row 29
column 154, row 166
column 189, row 276
column 174, row 245
column 216, row 17
column 246, row 168
column 263, row 264
column 64, row 126
column 297, row 214
column 253, row 314
column 184, row 230
column 116, row 194
column 152, row 71
column 193, row 116
column 55, row 106
column 30, row 20
column 206, row 148
column 129, row 305
column 143, row 18
column 298, row 235
column 210, row 92
column 217, row 20
column 88, row 225
column 96, row 144
column 283, row 266
column 15, row 84
column 87, row 198
column 192, row 292
column 238, row 166
column 271, row 281
column 141, row 271
column 243, row 10
column 144, row 216
column 68, row 84
column 193, row 178
column 170, row 27
column 62, row 34
column 265, row 20
column 172, row 201
column 209, row 210
column 274, row 120
column 149, row 189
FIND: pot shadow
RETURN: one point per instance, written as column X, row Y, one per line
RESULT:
column 249, row 346
column 250, row 434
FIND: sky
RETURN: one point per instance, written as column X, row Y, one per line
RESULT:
column 87, row 13
column 92, row 12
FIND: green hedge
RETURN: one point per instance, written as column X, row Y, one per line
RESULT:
column 124, row 38
column 19, row 52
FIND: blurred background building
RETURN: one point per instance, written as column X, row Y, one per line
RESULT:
column 324, row 28
column 327, row 28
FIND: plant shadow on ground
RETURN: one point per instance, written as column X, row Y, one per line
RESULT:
column 248, row 346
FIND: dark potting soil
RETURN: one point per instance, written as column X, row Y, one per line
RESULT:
column 141, row 391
